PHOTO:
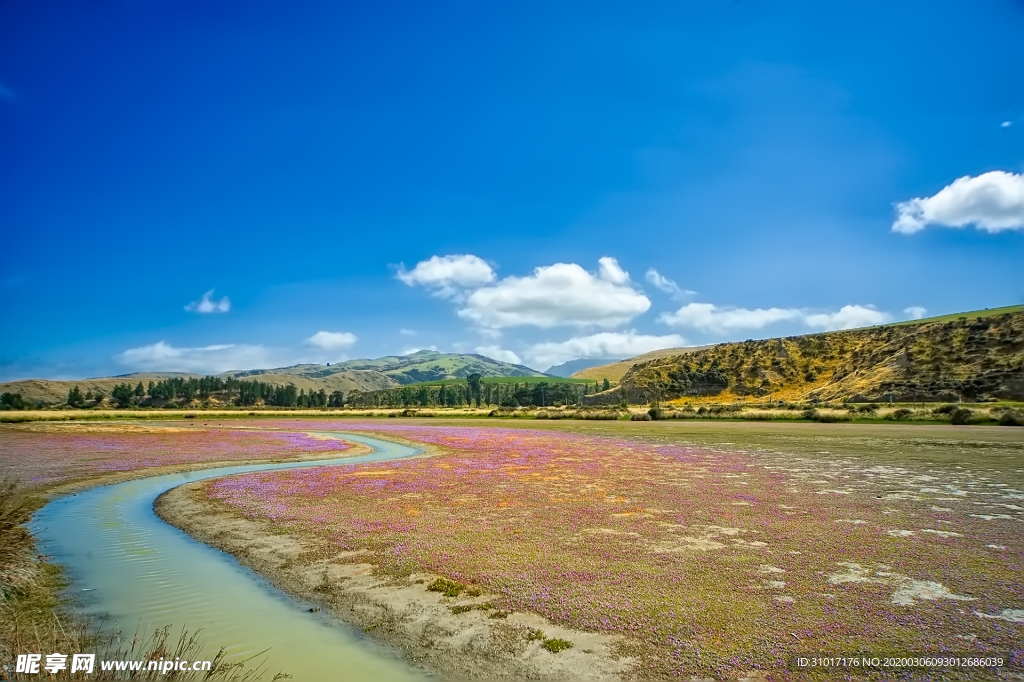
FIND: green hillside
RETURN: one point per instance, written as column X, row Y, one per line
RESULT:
column 976, row 357
column 364, row 375
column 430, row 365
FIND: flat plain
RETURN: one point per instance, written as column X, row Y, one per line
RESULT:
column 714, row 549
column 711, row 549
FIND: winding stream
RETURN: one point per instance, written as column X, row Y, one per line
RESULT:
column 127, row 564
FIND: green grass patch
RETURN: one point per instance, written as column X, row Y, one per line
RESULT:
column 449, row 588
column 554, row 645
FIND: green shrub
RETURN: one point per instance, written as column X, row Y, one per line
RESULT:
column 642, row 417
column 833, row 418
column 945, row 409
column 1009, row 418
column 864, row 409
column 554, row 645
column 901, row 414
column 449, row 588
column 655, row 413
column 810, row 413
column 961, row 416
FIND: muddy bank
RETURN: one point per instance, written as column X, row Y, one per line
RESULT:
column 471, row 644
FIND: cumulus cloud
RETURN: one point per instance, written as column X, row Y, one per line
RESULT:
column 207, row 305
column 498, row 353
column 162, row 357
column 601, row 345
column 665, row 284
column 847, row 317
column 708, row 317
column 1006, row 124
column 712, row 319
column 448, row 276
column 332, row 340
column 916, row 312
column 992, row 202
column 563, row 294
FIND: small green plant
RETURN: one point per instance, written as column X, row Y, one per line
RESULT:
column 464, row 608
column 449, row 588
column 534, row 634
column 554, row 645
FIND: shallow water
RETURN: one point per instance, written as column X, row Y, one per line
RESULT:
column 128, row 565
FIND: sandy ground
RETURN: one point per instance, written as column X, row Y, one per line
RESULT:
column 473, row 645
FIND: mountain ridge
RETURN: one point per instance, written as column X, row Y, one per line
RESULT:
column 363, row 374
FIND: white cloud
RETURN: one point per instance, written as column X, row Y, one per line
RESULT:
column 207, row 305
column 332, row 340
column 602, row 345
column 709, row 318
column 215, row 359
column 992, row 202
column 448, row 276
column 499, row 353
column 847, row 317
column 407, row 332
column 563, row 294
column 665, row 284
column 1006, row 124
column 916, row 312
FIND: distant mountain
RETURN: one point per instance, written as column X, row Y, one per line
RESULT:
column 567, row 369
column 351, row 375
column 430, row 365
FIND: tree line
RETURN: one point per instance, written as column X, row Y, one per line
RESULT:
column 176, row 391
column 476, row 392
column 181, row 391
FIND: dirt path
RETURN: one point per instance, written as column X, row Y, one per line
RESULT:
column 474, row 644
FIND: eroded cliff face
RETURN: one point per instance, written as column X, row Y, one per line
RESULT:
column 975, row 359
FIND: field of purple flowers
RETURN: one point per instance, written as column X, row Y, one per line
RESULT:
column 707, row 561
column 47, row 453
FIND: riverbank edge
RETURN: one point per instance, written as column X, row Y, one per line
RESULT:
column 47, row 606
column 398, row 612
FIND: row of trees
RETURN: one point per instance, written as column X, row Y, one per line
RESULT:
column 476, row 392
column 176, row 391
column 184, row 390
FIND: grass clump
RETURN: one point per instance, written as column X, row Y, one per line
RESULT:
column 1010, row 418
column 449, row 588
column 465, row 608
column 960, row 416
column 554, row 645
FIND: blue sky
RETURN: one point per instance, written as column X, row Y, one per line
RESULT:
column 535, row 181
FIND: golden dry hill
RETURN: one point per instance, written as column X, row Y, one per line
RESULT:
column 975, row 358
